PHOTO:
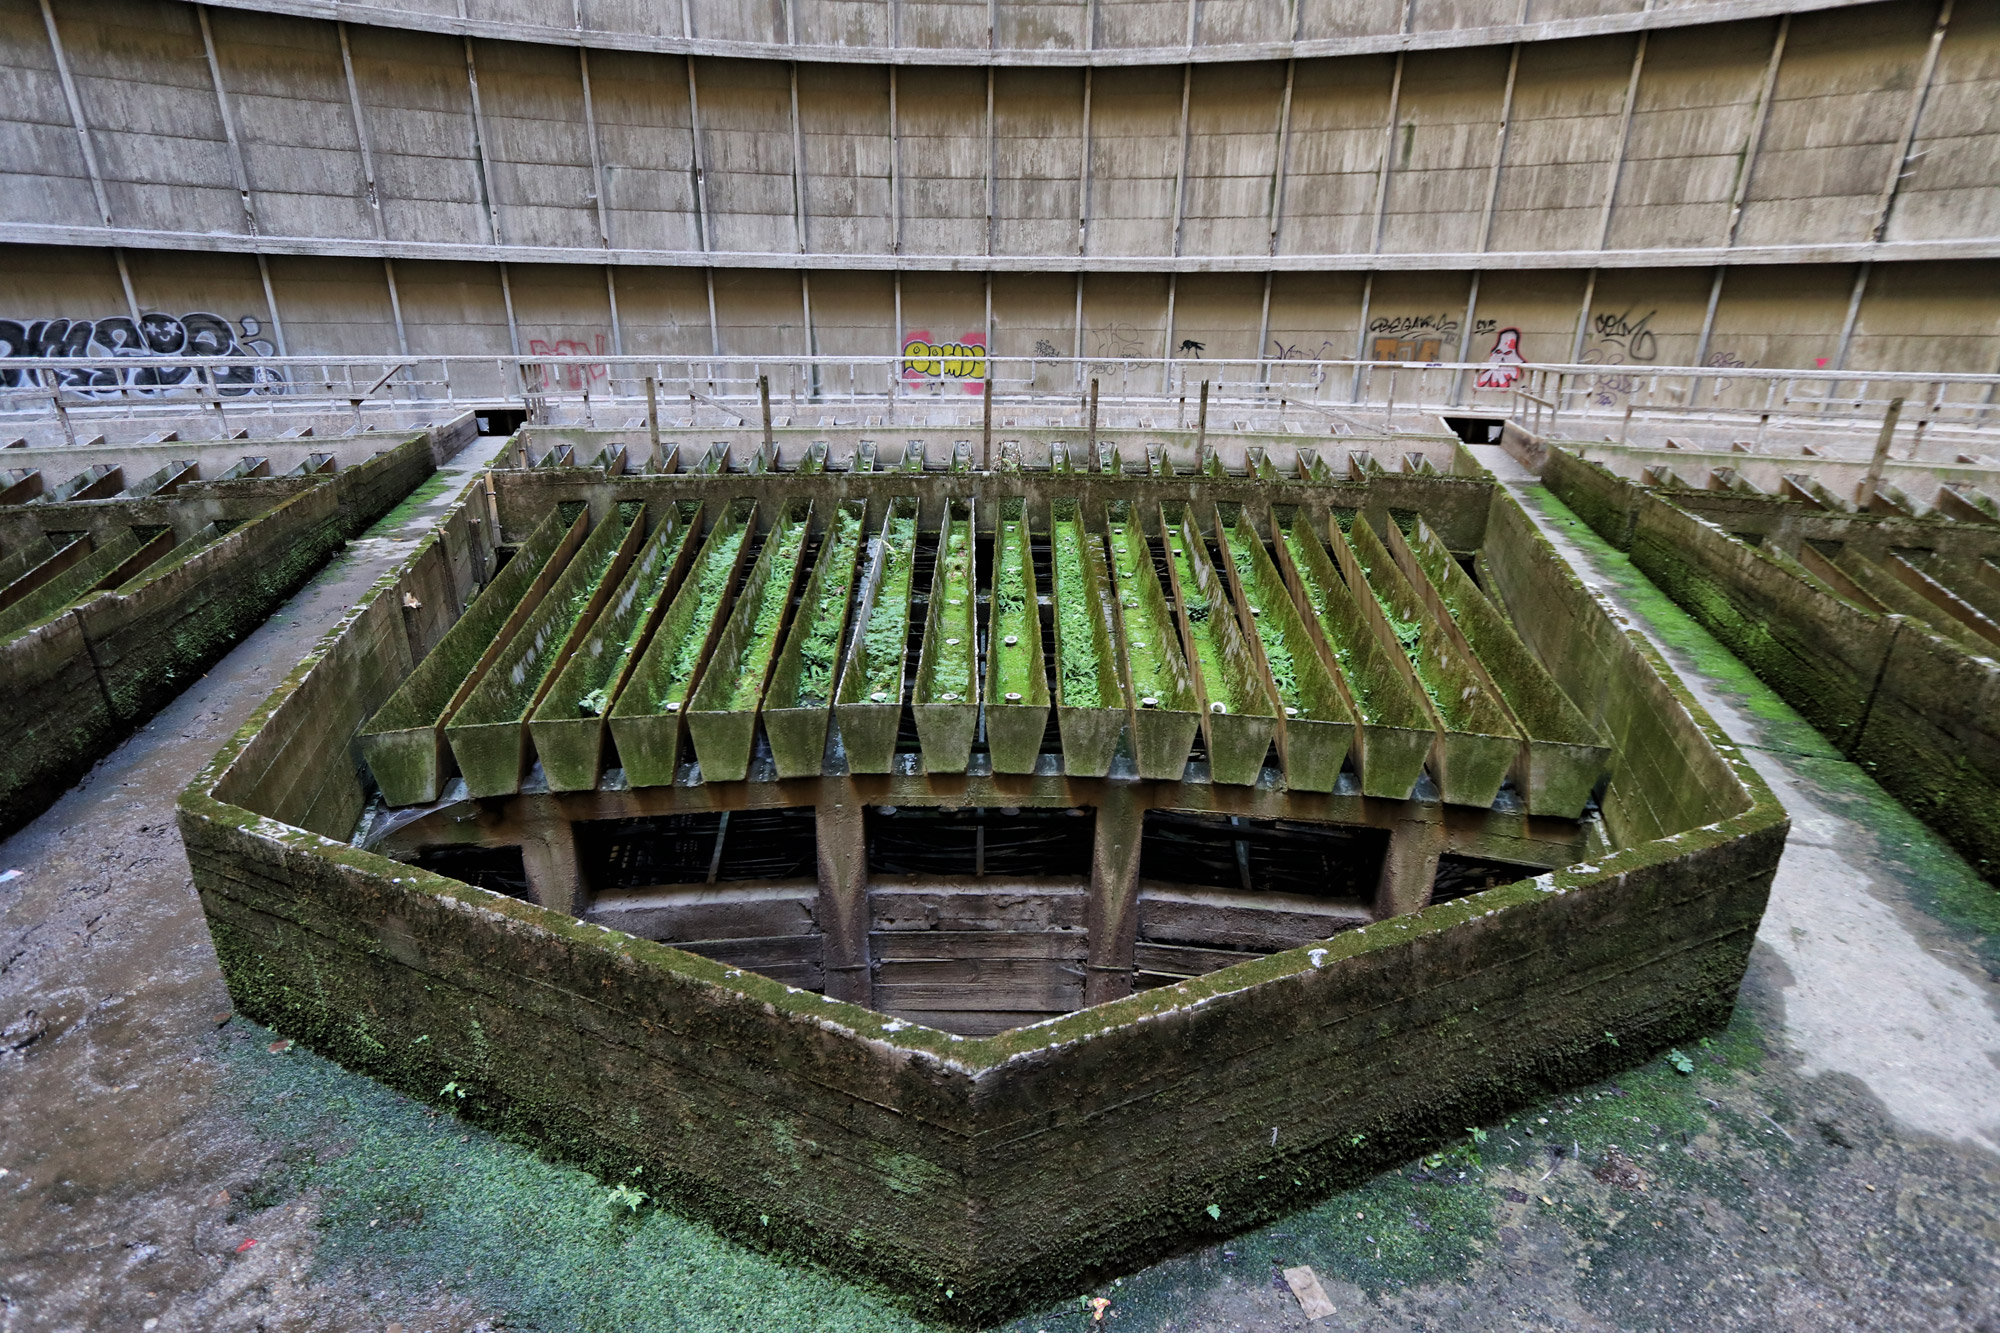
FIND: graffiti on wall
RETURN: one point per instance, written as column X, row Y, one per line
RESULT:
column 1503, row 363
column 1617, row 339
column 929, row 362
column 154, row 336
column 1419, row 337
column 571, row 377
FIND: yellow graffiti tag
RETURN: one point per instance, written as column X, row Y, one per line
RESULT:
column 958, row 361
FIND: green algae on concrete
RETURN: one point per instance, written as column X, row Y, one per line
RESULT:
column 1477, row 741
column 569, row 727
column 1397, row 730
column 798, row 703
column 488, row 733
column 869, row 705
column 1017, row 683
column 1239, row 713
column 1565, row 756
column 1316, row 729
column 647, row 722
column 1090, row 700
column 76, row 581
column 1158, row 682
column 945, row 695
column 404, row 744
column 722, row 712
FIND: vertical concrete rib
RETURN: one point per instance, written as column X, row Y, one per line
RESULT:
column 76, row 117
column 798, row 157
column 1583, row 317
column 1900, row 166
column 1853, row 313
column 695, row 160
column 842, row 838
column 895, row 175
column 992, row 151
column 1111, row 916
column 367, row 154
column 237, row 169
column 596, row 154
column 1275, row 214
column 1388, row 151
column 1624, row 137
column 1083, row 178
column 395, row 305
column 1761, row 118
column 271, row 303
column 479, row 142
column 1180, row 172
column 1499, row 152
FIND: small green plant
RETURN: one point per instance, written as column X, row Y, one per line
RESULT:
column 1214, row 1212
column 622, row 1193
column 1680, row 1061
column 451, row 1090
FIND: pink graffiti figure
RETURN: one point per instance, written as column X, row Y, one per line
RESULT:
column 1503, row 363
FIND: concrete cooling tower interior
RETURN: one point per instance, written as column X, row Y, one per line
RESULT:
column 1027, row 664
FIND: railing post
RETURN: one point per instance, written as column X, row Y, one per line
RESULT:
column 1874, row 477
column 764, row 397
column 1201, row 421
column 986, row 420
column 653, row 414
column 1092, row 445
column 54, row 381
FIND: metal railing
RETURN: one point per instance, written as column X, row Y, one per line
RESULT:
column 1330, row 397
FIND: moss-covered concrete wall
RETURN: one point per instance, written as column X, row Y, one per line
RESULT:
column 84, row 679
column 1920, row 712
column 974, row 1174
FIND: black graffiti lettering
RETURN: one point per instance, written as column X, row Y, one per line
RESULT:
column 1401, row 325
column 155, row 334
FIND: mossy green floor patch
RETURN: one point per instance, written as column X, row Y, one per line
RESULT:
column 406, row 1193
column 1937, row 878
column 431, row 488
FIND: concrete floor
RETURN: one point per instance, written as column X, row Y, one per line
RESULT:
column 1831, row 1161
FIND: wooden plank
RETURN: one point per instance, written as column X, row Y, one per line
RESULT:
column 981, row 976
column 944, row 908
column 1218, row 917
column 939, row 945
column 1019, row 998
column 709, row 912
column 1179, row 960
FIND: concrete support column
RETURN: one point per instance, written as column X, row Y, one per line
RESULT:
column 1411, row 863
column 843, row 896
column 1112, row 916
column 548, row 853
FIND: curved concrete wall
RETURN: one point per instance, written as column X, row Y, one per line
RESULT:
column 1810, row 189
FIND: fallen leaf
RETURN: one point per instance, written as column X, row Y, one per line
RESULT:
column 246, row 1244
column 1098, row 1305
column 281, row 1044
column 221, row 1198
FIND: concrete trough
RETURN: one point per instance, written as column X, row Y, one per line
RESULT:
column 568, row 727
column 1017, row 681
column 1090, row 697
column 1165, row 714
column 650, row 717
column 798, row 706
column 722, row 713
column 1233, row 694
column 869, row 706
column 945, row 694
column 1316, row 723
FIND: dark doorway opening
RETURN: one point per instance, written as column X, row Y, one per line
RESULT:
column 499, row 420
column 1476, row 430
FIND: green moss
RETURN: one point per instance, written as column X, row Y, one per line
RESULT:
column 769, row 617
column 416, row 1199
column 951, row 656
column 887, row 636
column 1016, row 666
column 1077, row 661
column 434, row 486
column 1277, row 652
column 711, row 581
column 819, row 651
column 1149, row 650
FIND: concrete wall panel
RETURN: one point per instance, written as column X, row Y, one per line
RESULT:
column 143, row 79
column 1569, row 101
column 1038, row 188
column 1953, row 188
column 1442, row 158
column 418, row 107
column 42, row 174
column 664, row 311
column 844, row 119
column 642, row 132
column 1232, row 158
column 334, row 306
column 942, row 119
column 746, row 134
column 538, row 146
column 1339, row 129
column 288, row 96
column 1837, row 116
column 1135, row 150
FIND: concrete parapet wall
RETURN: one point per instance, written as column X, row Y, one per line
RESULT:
column 87, row 677
column 974, row 1175
column 1922, row 713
